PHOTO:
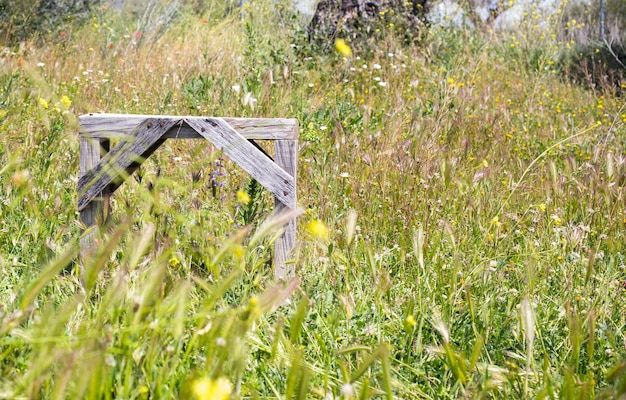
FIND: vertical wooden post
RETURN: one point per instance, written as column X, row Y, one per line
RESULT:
column 286, row 158
column 91, row 151
column 602, row 20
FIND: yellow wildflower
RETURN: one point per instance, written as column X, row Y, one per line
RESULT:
column 212, row 389
column 66, row 102
column 43, row 102
column 243, row 197
column 174, row 261
column 239, row 251
column 410, row 320
column 254, row 302
column 318, row 230
column 342, row 47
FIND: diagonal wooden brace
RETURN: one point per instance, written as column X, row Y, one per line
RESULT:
column 123, row 159
column 251, row 159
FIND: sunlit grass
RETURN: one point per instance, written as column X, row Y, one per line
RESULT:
column 463, row 234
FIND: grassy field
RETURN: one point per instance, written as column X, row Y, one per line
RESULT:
column 463, row 236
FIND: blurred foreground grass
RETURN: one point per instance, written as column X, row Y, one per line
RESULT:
column 464, row 234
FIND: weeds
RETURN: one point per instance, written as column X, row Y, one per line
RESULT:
column 463, row 235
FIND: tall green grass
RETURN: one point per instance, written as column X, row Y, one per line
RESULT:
column 463, row 234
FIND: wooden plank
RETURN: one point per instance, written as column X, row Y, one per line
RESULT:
column 123, row 159
column 251, row 159
column 265, row 128
column 287, row 158
column 114, row 125
column 91, row 151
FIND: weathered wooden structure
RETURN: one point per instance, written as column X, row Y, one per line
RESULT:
column 103, row 170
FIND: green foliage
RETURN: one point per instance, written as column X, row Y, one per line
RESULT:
column 463, row 236
column 590, row 58
column 21, row 20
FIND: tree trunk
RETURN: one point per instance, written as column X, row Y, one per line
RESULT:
column 361, row 22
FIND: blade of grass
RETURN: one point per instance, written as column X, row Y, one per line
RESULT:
column 52, row 270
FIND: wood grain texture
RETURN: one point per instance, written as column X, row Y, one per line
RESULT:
column 247, row 156
column 91, row 151
column 115, row 125
column 101, row 174
column 123, row 159
column 96, row 212
column 286, row 157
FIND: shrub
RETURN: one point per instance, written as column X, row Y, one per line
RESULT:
column 21, row 20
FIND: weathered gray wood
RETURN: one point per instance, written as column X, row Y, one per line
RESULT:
column 251, row 159
column 114, row 125
column 286, row 157
column 123, row 159
column 100, row 173
column 91, row 151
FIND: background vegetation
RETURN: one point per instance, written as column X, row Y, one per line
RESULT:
column 464, row 226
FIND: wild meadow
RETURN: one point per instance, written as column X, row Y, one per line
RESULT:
column 463, row 233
